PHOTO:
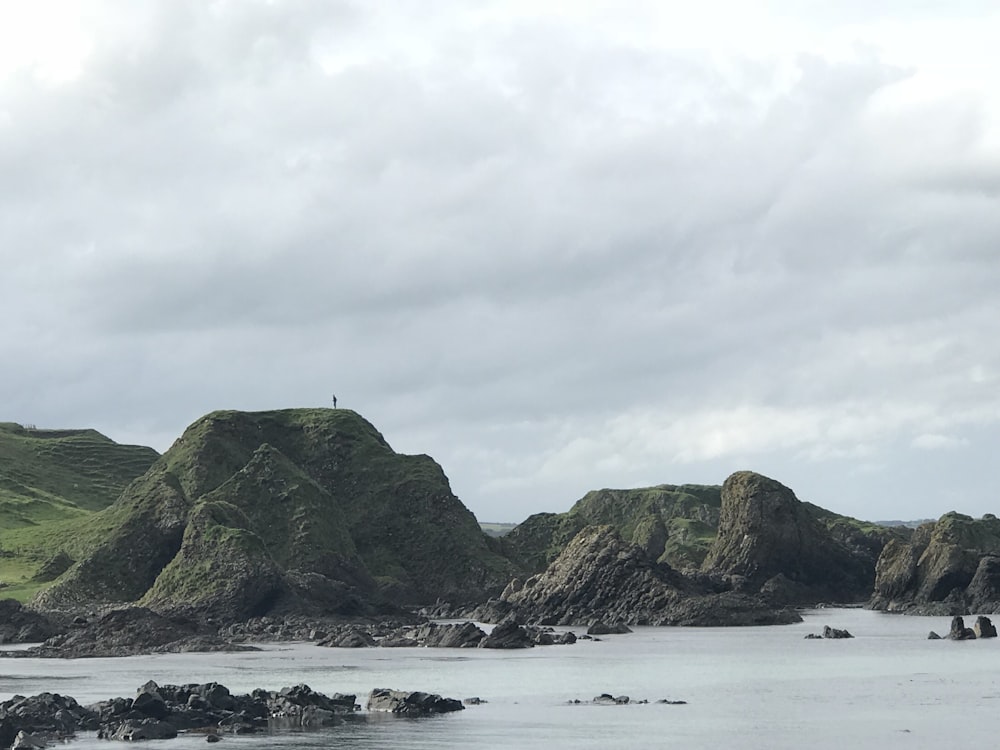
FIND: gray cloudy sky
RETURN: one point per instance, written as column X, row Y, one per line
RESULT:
column 556, row 245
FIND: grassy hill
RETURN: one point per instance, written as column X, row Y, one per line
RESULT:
column 54, row 480
column 296, row 495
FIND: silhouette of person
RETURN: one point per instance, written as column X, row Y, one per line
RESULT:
column 335, row 402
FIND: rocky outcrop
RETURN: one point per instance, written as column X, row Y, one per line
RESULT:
column 44, row 716
column 404, row 703
column 127, row 632
column 830, row 633
column 959, row 632
column 951, row 566
column 305, row 511
column 21, row 625
column 984, row 628
column 601, row 577
column 765, row 532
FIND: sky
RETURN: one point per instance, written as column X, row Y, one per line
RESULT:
column 558, row 246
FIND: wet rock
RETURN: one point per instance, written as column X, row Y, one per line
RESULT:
column 932, row 636
column 25, row 741
column 410, row 704
column 132, row 730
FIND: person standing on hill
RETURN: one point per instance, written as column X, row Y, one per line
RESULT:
column 335, row 401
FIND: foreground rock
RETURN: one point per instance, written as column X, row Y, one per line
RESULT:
column 411, row 704
column 44, row 716
column 127, row 632
column 959, row 632
column 599, row 576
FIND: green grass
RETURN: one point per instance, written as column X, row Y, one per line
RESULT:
column 52, row 483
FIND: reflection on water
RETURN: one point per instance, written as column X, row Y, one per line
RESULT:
column 745, row 687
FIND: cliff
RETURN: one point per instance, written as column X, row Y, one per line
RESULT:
column 950, row 566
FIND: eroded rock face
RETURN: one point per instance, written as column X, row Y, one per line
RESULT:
column 21, row 625
column 765, row 532
column 599, row 576
column 951, row 566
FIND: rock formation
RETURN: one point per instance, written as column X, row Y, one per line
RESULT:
column 601, row 577
column 766, row 532
column 951, row 566
column 295, row 510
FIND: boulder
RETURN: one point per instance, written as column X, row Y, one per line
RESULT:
column 984, row 628
column 601, row 628
column 932, row 636
column 410, row 703
column 132, row 730
column 959, row 632
column 508, row 635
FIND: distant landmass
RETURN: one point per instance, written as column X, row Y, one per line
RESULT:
column 310, row 513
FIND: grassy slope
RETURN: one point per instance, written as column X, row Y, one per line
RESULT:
column 51, row 483
column 321, row 489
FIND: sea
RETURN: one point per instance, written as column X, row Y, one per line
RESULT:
column 759, row 687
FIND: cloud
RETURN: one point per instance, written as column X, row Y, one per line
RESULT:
column 553, row 247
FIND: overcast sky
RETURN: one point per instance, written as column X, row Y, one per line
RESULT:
column 558, row 246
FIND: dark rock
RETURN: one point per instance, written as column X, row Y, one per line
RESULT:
column 667, row 702
column 765, row 531
column 959, row 632
column 410, row 704
column 984, row 628
column 130, row 631
column 508, row 635
column 829, row 632
column 932, row 636
column 131, row 730
column 601, row 628
column 567, row 638
column 949, row 566
column 212, row 738
column 26, row 741
column 459, row 635
column 476, row 701
column 18, row 624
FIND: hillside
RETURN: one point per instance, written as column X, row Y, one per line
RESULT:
column 54, row 477
column 298, row 509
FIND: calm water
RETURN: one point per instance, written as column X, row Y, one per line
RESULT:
column 746, row 688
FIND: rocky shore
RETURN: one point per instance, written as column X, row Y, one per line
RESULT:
column 159, row 712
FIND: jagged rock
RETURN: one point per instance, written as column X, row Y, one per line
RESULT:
column 410, row 704
column 829, row 632
column 508, row 635
column 950, row 566
column 932, row 636
column 458, row 635
column 43, row 715
column 959, row 632
column 984, row 628
column 599, row 576
column 765, row 531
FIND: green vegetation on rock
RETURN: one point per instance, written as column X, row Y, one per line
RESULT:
column 315, row 494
